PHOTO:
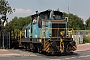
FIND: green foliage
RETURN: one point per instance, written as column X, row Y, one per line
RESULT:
column 17, row 24
column 5, row 8
column 86, row 39
column 3, row 17
column 88, row 24
column 74, row 21
column 9, row 27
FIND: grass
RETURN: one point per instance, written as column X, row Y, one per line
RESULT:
column 86, row 39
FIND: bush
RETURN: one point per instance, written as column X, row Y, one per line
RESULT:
column 86, row 39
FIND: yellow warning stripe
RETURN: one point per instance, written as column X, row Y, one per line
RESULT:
column 74, row 48
column 47, row 46
column 47, row 49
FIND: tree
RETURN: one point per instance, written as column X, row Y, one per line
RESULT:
column 74, row 21
column 17, row 24
column 9, row 27
column 88, row 24
column 5, row 8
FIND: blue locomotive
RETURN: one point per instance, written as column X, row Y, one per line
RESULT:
column 48, row 32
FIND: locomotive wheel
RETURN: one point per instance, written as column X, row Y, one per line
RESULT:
column 69, row 48
column 39, row 51
column 48, row 54
column 27, row 48
column 35, row 50
column 31, row 47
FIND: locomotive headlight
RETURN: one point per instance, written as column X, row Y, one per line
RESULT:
column 61, row 33
column 40, row 40
column 50, row 35
column 67, row 35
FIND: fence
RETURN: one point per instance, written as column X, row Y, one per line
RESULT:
column 5, row 40
column 79, row 34
column 82, row 32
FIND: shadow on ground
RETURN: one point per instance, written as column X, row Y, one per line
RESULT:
column 56, row 54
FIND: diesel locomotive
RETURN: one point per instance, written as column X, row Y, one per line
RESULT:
column 48, row 32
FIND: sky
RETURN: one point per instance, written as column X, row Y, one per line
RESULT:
column 27, row 7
